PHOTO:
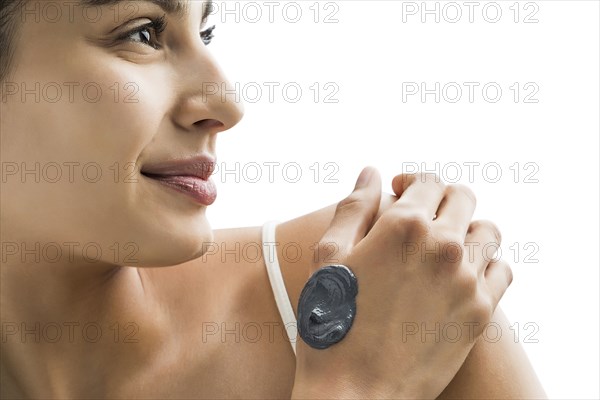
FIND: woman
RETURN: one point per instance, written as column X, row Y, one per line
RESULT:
column 112, row 286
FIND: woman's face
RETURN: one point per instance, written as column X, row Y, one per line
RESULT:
column 97, row 95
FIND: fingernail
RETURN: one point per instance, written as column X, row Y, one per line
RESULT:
column 364, row 177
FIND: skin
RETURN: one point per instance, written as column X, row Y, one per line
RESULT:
column 499, row 370
column 165, row 311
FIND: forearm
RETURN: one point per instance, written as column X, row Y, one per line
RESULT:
column 496, row 370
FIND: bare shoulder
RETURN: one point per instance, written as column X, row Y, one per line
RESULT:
column 231, row 267
column 229, row 328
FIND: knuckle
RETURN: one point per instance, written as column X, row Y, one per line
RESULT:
column 509, row 274
column 450, row 246
column 491, row 227
column 495, row 230
column 463, row 190
column 432, row 180
column 407, row 221
column 507, row 271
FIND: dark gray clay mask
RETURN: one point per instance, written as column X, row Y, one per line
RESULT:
column 327, row 306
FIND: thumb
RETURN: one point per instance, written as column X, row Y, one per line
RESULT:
column 353, row 217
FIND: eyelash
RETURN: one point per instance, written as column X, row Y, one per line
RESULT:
column 158, row 25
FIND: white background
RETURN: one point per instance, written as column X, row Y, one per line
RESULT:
column 368, row 54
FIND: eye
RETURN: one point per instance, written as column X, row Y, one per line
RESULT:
column 207, row 35
column 143, row 36
column 148, row 34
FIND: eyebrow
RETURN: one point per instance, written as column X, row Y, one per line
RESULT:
column 175, row 7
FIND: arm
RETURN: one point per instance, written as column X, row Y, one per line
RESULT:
column 498, row 370
column 492, row 370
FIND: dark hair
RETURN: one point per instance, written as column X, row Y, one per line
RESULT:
column 8, row 31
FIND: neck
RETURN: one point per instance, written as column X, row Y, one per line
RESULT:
column 64, row 327
column 49, row 292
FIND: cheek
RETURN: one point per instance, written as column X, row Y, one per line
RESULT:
column 100, row 114
column 107, row 113
column 125, row 115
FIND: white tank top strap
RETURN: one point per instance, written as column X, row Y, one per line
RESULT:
column 277, row 285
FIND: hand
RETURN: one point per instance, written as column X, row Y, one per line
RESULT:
column 414, row 275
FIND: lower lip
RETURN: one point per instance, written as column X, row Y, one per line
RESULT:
column 201, row 191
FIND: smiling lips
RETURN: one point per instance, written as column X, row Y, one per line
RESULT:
column 190, row 176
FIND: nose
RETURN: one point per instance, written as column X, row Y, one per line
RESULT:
column 207, row 100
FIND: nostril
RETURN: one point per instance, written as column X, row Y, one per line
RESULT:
column 208, row 123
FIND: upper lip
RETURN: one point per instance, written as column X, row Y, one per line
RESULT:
column 201, row 166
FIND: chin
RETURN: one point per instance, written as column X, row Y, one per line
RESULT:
column 174, row 247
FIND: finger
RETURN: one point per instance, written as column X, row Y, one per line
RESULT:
column 354, row 215
column 498, row 277
column 421, row 191
column 482, row 240
column 456, row 209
